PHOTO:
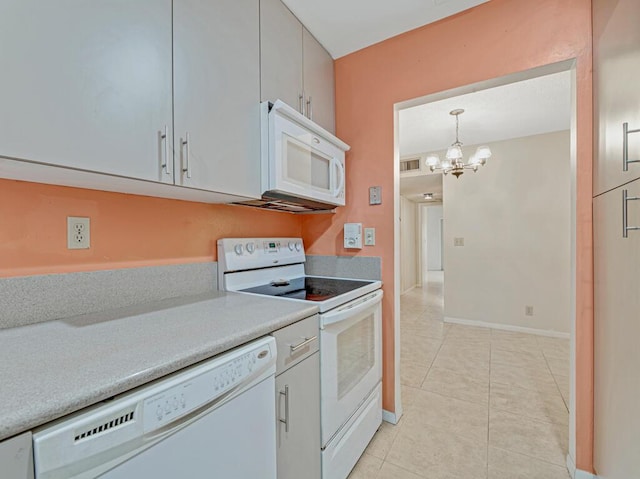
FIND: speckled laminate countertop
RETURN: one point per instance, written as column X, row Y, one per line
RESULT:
column 51, row 369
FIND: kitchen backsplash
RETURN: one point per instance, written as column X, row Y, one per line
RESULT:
column 35, row 299
column 358, row 267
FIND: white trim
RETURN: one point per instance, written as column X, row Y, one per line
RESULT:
column 397, row 396
column 389, row 416
column 578, row 473
column 506, row 327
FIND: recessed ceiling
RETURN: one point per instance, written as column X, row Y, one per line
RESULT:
column 414, row 187
column 530, row 107
column 344, row 26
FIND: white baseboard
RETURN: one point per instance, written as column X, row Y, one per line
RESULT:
column 409, row 289
column 578, row 473
column 506, row 327
column 390, row 416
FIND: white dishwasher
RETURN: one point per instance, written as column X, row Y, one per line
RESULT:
column 215, row 419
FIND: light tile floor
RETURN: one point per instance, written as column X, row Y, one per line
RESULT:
column 478, row 403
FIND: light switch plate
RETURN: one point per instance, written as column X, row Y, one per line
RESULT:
column 369, row 236
column 375, row 195
column 458, row 241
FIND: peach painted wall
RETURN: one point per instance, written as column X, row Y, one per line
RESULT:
column 126, row 230
column 492, row 40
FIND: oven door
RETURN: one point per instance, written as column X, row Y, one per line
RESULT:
column 350, row 359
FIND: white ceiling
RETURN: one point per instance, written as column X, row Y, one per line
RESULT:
column 529, row 107
column 344, row 26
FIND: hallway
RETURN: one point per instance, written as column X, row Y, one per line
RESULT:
column 478, row 403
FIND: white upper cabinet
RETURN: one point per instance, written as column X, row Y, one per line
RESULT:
column 87, row 85
column 295, row 68
column 318, row 82
column 217, row 95
column 281, row 54
column 616, row 76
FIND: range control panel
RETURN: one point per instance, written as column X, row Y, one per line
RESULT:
column 239, row 254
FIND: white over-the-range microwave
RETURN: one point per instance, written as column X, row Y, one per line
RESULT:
column 302, row 163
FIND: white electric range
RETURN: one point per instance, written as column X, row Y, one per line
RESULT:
column 350, row 337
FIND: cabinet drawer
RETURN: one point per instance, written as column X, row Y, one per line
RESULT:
column 296, row 342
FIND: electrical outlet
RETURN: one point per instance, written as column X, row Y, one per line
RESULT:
column 78, row 233
column 369, row 236
column 528, row 310
column 458, row 241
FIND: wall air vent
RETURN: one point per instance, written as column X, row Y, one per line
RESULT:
column 410, row 164
column 104, row 426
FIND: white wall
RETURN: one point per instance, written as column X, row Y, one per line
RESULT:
column 434, row 246
column 408, row 247
column 514, row 216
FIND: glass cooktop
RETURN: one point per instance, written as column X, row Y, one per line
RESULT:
column 309, row 288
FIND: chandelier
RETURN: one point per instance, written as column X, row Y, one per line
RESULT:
column 454, row 162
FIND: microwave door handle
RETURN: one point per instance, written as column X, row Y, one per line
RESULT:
column 345, row 313
column 340, row 168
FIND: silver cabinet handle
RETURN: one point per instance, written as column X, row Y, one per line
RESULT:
column 310, row 108
column 187, row 167
column 625, row 146
column 301, row 103
column 625, row 213
column 304, row 343
column 285, row 421
column 164, row 137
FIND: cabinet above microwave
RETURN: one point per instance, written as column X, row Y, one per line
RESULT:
column 302, row 163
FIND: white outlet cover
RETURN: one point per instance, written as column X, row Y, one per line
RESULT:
column 78, row 232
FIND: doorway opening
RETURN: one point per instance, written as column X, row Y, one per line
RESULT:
column 494, row 328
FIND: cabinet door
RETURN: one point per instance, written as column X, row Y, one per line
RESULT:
column 16, row 457
column 299, row 447
column 616, row 76
column 617, row 329
column 281, row 54
column 318, row 82
column 87, row 84
column 217, row 95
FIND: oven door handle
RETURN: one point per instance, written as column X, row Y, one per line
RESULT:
column 351, row 309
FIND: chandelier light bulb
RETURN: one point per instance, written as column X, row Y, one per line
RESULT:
column 432, row 160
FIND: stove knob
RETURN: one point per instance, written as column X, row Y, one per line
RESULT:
column 250, row 247
column 291, row 246
column 298, row 246
column 238, row 249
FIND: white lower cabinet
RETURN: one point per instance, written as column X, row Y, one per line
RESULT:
column 16, row 457
column 298, row 400
column 616, row 333
column 298, row 403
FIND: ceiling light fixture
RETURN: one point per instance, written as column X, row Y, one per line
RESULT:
column 427, row 196
column 454, row 162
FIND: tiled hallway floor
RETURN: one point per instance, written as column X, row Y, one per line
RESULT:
column 478, row 403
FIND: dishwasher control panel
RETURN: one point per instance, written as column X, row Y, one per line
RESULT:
column 202, row 390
